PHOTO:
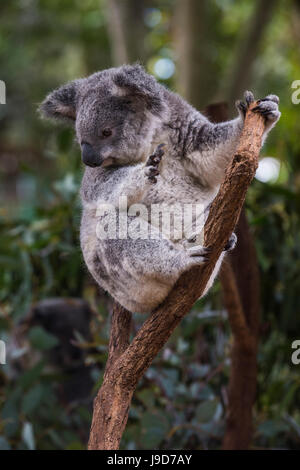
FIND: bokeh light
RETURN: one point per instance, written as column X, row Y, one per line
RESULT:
column 164, row 68
column 268, row 170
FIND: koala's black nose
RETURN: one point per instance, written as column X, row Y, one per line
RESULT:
column 89, row 156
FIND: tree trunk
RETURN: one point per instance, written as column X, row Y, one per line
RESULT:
column 243, row 374
column 243, row 370
column 127, row 30
column 196, row 78
column 114, row 397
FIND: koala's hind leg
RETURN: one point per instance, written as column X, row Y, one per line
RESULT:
column 140, row 273
column 197, row 250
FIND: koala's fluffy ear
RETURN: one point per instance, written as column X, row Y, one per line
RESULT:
column 61, row 103
column 136, row 83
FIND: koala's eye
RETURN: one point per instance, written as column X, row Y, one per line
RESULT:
column 106, row 132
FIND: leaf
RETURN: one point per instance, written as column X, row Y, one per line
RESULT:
column 66, row 187
column 147, row 397
column 198, row 371
column 41, row 339
column 76, row 445
column 31, row 375
column 154, row 427
column 206, row 393
column 206, row 410
column 32, row 399
column 272, row 428
column 168, row 379
column 9, row 414
column 55, row 438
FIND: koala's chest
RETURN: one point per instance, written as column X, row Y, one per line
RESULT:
column 175, row 186
column 178, row 203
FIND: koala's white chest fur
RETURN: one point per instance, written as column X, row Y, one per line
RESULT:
column 176, row 184
column 180, row 196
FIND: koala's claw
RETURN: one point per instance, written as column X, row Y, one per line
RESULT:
column 249, row 97
column 199, row 250
column 268, row 107
column 242, row 106
column 153, row 162
column 230, row 245
column 192, row 238
column 274, row 98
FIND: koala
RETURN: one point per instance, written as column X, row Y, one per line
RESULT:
column 142, row 143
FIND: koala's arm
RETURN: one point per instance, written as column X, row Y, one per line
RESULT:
column 214, row 144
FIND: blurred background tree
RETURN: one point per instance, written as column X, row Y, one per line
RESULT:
column 209, row 51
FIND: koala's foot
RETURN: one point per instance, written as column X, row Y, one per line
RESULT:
column 199, row 251
column 230, row 245
column 267, row 107
column 153, row 162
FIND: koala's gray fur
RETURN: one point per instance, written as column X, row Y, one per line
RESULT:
column 140, row 114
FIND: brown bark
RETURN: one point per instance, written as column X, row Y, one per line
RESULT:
column 234, row 307
column 241, row 393
column 113, row 400
column 243, row 371
column 119, row 334
column 245, row 266
column 112, row 397
column 240, row 285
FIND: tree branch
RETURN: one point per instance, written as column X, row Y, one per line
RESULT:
column 240, row 285
column 119, row 334
column 112, row 403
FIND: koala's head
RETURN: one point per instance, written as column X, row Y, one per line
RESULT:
column 115, row 113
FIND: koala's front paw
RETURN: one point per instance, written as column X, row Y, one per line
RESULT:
column 230, row 245
column 152, row 164
column 267, row 107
